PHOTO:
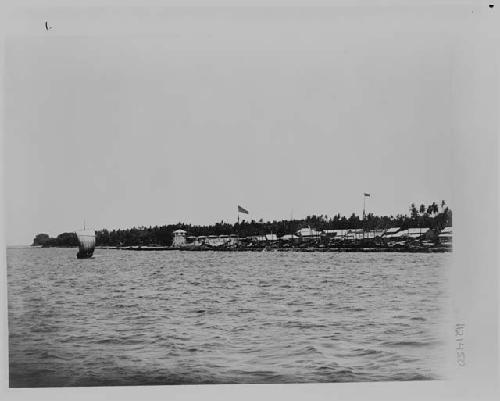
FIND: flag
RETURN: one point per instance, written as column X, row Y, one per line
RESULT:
column 367, row 194
column 242, row 210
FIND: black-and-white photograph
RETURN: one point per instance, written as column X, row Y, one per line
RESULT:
column 252, row 195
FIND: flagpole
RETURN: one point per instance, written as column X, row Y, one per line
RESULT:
column 364, row 202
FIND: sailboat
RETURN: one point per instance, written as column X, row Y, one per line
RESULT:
column 86, row 243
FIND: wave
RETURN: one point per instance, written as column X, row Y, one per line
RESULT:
column 409, row 343
column 127, row 324
column 366, row 351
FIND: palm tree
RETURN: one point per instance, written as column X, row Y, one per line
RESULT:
column 422, row 211
column 413, row 210
column 435, row 208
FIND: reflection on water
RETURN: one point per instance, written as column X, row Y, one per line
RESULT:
column 131, row 318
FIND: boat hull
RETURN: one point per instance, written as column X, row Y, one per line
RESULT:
column 84, row 254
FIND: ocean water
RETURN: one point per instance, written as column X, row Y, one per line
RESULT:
column 139, row 318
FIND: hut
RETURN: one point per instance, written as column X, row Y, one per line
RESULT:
column 288, row 237
column 401, row 234
column 271, row 237
column 374, row 233
column 354, row 234
column 391, row 233
column 417, row 232
column 265, row 238
column 337, row 234
column 223, row 240
column 212, row 240
column 446, row 235
column 308, row 233
column 199, row 241
column 233, row 240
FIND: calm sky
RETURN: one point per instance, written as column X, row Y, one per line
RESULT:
column 282, row 113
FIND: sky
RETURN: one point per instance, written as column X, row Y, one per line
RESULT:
column 286, row 114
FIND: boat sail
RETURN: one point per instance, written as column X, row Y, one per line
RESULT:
column 86, row 241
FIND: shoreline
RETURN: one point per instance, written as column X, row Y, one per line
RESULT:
column 308, row 249
column 435, row 249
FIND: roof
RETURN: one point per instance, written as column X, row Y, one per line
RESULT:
column 180, row 231
column 415, row 235
column 418, row 230
column 356, row 235
column 445, row 236
column 266, row 237
column 336, row 232
column 392, row 230
column 415, row 232
column 308, row 232
column 399, row 234
column 373, row 233
column 289, row 236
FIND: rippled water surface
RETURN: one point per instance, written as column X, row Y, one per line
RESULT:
column 131, row 318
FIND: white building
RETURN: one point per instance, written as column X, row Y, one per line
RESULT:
column 213, row 240
column 308, row 233
column 179, row 238
column 334, row 233
column 289, row 237
column 265, row 238
column 392, row 233
column 417, row 232
column 355, row 234
column 446, row 235
column 233, row 240
column 200, row 240
column 221, row 240
column 396, row 233
column 374, row 233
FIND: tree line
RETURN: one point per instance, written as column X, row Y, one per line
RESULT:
column 432, row 216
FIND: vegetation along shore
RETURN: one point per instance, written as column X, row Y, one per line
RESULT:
column 425, row 228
